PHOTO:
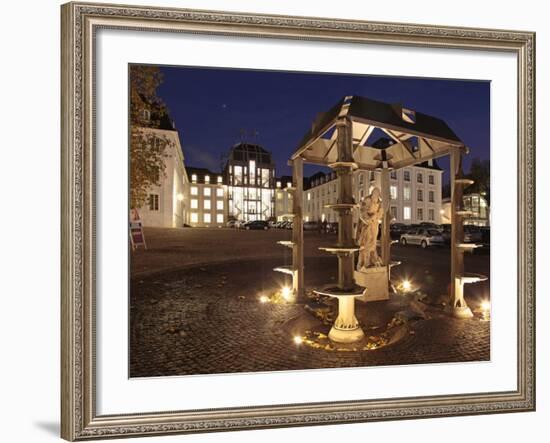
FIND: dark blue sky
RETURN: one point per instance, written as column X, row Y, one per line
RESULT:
column 211, row 106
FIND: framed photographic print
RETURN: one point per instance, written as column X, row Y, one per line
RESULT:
column 282, row 221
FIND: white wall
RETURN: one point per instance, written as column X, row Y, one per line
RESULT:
column 29, row 284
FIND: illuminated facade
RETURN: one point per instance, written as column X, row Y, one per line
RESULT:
column 415, row 193
column 250, row 177
column 475, row 203
column 166, row 203
column 283, row 199
column 206, row 196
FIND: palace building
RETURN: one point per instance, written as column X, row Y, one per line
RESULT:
column 166, row 205
column 207, row 198
column 415, row 193
column 250, row 177
column 247, row 189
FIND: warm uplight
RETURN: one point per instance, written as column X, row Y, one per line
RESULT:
column 298, row 340
column 406, row 285
column 180, row 197
column 286, row 293
column 264, row 299
column 486, row 309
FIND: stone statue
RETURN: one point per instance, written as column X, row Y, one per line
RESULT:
column 370, row 212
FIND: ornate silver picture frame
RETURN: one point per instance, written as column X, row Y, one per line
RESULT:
column 80, row 23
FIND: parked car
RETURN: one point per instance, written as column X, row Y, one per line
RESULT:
column 429, row 225
column 311, row 226
column 445, row 230
column 231, row 223
column 256, row 224
column 422, row 236
column 239, row 224
column 396, row 229
column 271, row 223
column 472, row 234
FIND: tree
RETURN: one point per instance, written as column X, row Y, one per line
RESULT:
column 147, row 148
column 480, row 173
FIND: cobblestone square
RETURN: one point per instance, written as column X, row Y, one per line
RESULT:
column 195, row 307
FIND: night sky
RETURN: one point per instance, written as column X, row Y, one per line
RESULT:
column 211, row 107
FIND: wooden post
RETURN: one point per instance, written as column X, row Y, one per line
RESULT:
column 344, row 172
column 457, row 233
column 385, row 239
column 298, row 226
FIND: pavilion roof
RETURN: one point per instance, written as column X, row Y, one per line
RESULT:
column 414, row 137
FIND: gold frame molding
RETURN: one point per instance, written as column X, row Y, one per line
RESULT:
column 79, row 22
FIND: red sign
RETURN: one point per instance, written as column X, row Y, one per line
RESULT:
column 136, row 231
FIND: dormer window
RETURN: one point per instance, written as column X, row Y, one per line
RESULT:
column 408, row 115
column 207, row 179
column 146, row 114
column 194, row 178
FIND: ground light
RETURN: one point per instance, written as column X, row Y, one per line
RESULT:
column 286, row 293
column 486, row 309
column 298, row 340
column 406, row 285
column 264, row 299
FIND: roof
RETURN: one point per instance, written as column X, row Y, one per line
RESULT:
column 244, row 152
column 416, row 137
column 201, row 173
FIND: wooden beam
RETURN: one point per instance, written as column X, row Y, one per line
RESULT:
column 297, row 226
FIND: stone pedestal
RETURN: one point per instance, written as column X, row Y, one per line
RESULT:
column 375, row 280
column 346, row 327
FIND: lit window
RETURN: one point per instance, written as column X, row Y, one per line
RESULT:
column 194, row 178
column 279, row 195
column 407, row 212
column 194, row 190
column 407, row 176
column 206, row 218
column 153, row 202
column 431, row 179
column 207, row 179
column 219, row 218
column 309, row 196
column 207, row 204
column 219, row 178
column 219, row 205
column 278, row 184
column 393, row 192
column 288, row 185
column 194, row 203
column 420, row 195
column 207, row 191
column 406, row 193
column 419, row 214
column 219, row 192
column 194, row 217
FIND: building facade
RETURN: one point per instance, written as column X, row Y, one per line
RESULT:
column 283, row 198
column 166, row 203
column 250, row 177
column 475, row 203
column 206, row 195
column 247, row 190
column 415, row 193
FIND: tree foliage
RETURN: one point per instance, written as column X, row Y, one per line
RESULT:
column 480, row 173
column 147, row 148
